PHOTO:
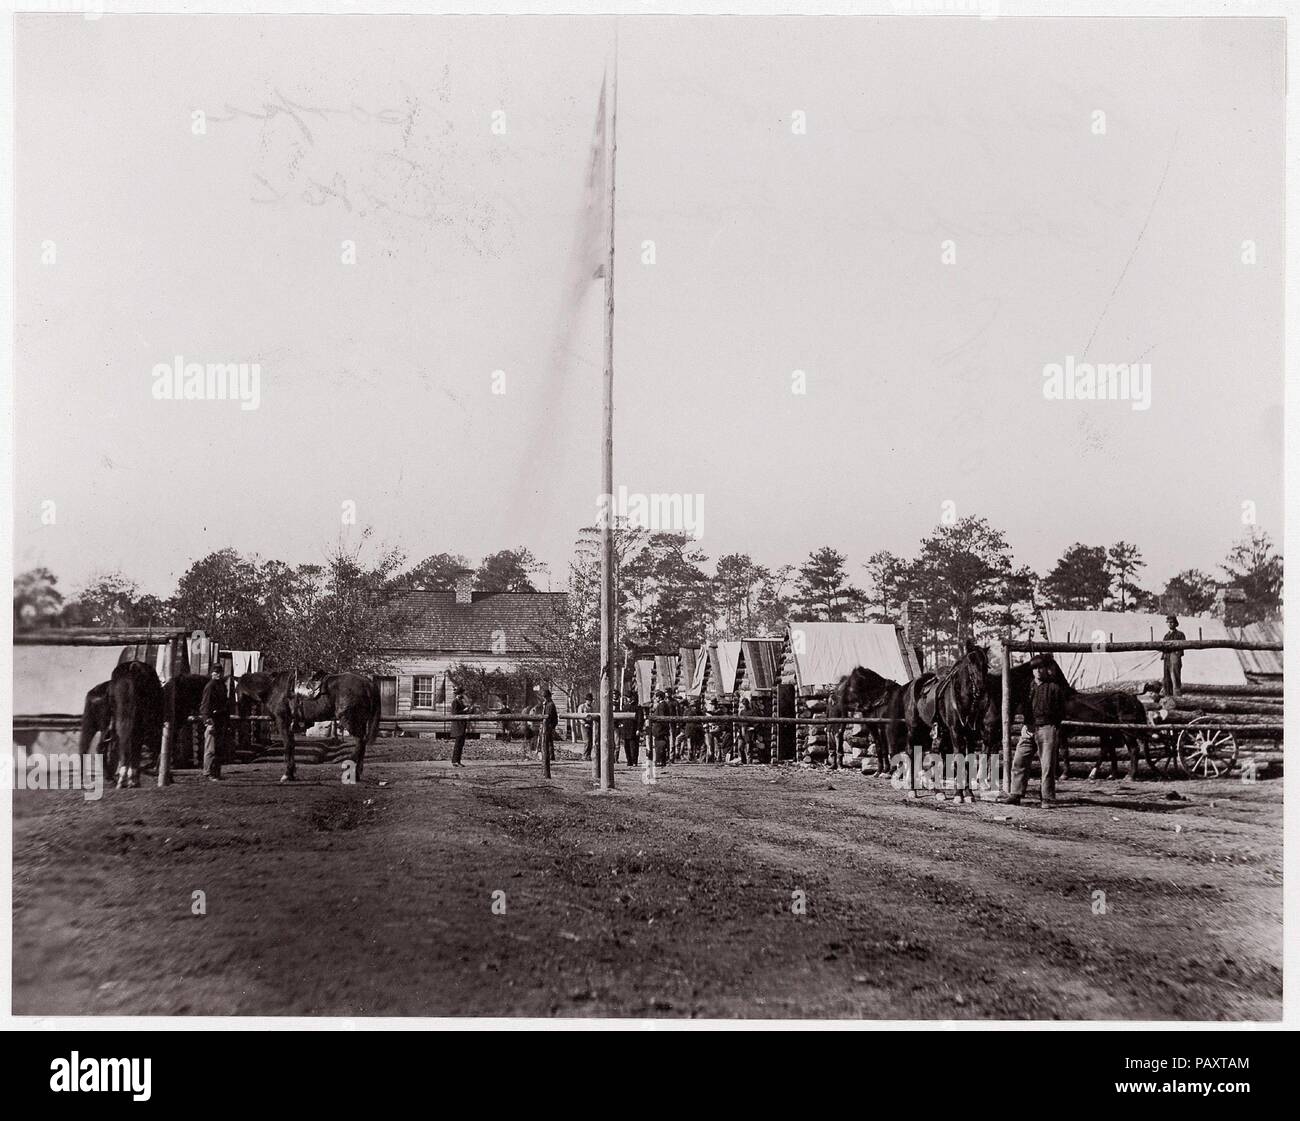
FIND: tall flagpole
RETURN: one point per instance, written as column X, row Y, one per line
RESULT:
column 607, row 598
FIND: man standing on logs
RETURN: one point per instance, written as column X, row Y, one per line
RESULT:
column 214, row 711
column 1043, row 733
column 1173, row 659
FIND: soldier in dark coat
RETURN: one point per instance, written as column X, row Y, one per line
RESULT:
column 628, row 727
column 1173, row 659
column 458, row 706
column 587, row 707
column 660, row 732
column 214, row 711
column 550, row 719
column 1042, row 734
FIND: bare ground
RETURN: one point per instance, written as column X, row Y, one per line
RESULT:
column 677, row 899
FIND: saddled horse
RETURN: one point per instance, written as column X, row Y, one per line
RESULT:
column 952, row 707
column 350, row 698
column 135, row 700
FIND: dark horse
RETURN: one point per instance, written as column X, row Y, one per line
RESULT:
column 97, row 720
column 349, row 698
column 952, row 707
column 866, row 693
column 1093, row 708
column 275, row 693
column 135, row 701
column 182, row 696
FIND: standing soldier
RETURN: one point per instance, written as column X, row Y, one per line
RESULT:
column 695, row 732
column 623, row 727
column 588, row 707
column 1173, row 659
column 458, row 706
column 744, row 743
column 711, row 748
column 550, row 720
column 1042, row 733
column 660, row 731
column 214, row 711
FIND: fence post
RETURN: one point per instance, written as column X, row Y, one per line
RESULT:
column 165, row 756
column 1006, row 716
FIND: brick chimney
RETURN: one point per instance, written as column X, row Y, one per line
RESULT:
column 465, row 586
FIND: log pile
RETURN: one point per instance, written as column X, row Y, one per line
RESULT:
column 789, row 677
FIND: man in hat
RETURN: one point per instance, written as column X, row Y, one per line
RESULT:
column 625, row 727
column 1173, row 659
column 660, row 731
column 588, row 706
column 214, row 711
column 1042, row 733
column 458, row 708
column 550, row 720
column 745, row 732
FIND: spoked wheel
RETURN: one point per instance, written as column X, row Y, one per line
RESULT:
column 1206, row 752
column 1162, row 754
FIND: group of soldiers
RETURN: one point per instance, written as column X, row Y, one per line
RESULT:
column 695, row 741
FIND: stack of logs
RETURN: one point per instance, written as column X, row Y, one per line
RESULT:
column 1240, row 705
column 812, row 743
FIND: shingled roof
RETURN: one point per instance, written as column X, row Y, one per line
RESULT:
column 434, row 621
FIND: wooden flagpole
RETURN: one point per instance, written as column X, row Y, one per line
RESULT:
column 607, row 597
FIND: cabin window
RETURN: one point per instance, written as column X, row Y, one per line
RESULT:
column 422, row 692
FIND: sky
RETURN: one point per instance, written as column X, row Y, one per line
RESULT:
column 775, row 250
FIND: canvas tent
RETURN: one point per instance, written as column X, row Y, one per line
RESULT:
column 665, row 671
column 824, row 652
column 645, row 680
column 724, row 674
column 1104, row 667
column 54, row 680
column 685, row 668
column 701, row 672
column 761, row 663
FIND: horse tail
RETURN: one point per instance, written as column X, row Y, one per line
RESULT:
column 92, row 719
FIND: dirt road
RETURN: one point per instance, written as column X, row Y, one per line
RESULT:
column 678, row 899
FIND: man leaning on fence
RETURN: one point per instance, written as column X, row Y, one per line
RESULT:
column 1042, row 734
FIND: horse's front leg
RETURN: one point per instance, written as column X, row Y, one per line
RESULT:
column 285, row 723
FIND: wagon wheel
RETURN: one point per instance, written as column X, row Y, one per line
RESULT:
column 1162, row 752
column 1206, row 752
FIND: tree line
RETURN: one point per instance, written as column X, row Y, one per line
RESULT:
column 962, row 581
